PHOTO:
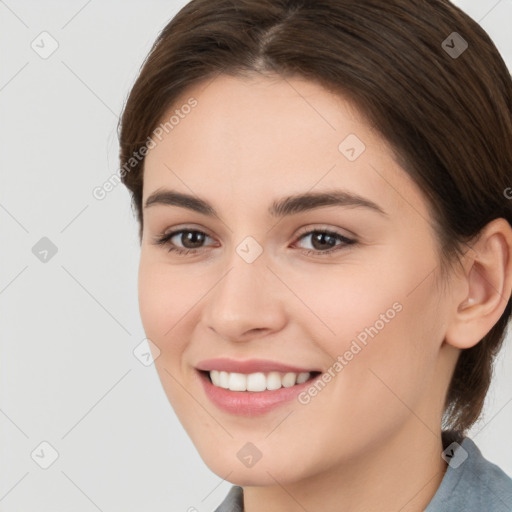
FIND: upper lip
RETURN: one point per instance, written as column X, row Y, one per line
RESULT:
column 249, row 366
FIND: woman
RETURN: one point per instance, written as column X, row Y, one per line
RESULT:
column 323, row 196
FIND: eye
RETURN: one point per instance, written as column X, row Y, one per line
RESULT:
column 323, row 241
column 190, row 238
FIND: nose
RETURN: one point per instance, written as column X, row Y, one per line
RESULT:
column 248, row 300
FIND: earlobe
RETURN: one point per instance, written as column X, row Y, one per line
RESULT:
column 487, row 282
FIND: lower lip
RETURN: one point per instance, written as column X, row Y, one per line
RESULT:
column 250, row 403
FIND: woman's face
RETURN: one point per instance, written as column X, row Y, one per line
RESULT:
column 258, row 282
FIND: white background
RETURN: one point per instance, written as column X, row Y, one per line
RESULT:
column 69, row 326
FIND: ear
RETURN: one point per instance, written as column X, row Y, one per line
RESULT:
column 484, row 288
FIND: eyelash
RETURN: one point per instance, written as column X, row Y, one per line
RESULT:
column 164, row 240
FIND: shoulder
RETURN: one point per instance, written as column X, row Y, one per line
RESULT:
column 471, row 482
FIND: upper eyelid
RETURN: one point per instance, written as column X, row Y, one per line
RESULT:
column 337, row 231
column 302, row 231
column 176, row 231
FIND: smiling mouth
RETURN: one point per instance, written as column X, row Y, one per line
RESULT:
column 258, row 381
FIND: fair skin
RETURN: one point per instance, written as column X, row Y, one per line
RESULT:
column 371, row 439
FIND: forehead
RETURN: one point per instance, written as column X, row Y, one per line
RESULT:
column 253, row 138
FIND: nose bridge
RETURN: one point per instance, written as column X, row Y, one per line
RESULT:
column 245, row 299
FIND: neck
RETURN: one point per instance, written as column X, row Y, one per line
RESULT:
column 402, row 473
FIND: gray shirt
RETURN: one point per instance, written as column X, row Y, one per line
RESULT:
column 470, row 484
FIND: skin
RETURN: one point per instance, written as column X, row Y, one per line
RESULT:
column 371, row 439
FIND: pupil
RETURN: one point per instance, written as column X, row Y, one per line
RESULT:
column 193, row 237
column 320, row 237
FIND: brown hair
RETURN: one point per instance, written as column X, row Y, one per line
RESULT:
column 447, row 116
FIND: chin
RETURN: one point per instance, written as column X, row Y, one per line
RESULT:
column 265, row 472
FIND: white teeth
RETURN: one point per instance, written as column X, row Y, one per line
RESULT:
column 303, row 377
column 256, row 381
column 237, row 382
column 273, row 380
column 223, row 380
column 214, row 375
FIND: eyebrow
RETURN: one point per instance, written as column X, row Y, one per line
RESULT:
column 289, row 205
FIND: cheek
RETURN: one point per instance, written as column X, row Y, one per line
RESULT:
column 152, row 302
column 164, row 299
column 166, row 309
column 386, row 327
